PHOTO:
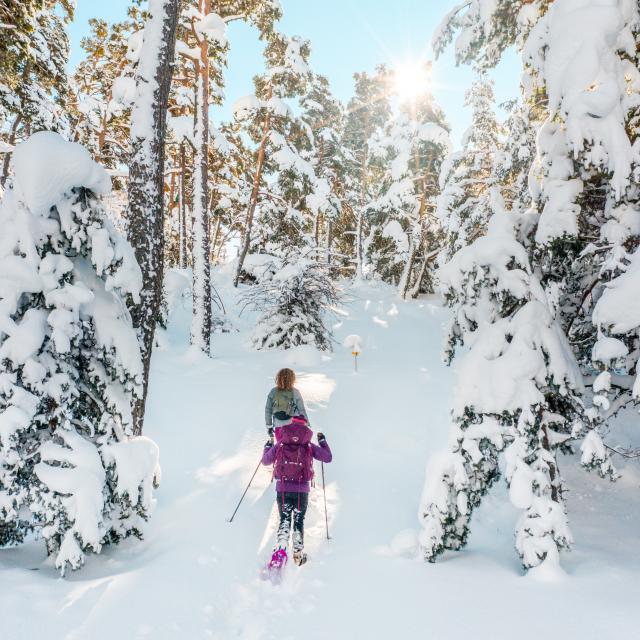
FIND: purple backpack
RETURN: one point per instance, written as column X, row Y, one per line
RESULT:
column 294, row 457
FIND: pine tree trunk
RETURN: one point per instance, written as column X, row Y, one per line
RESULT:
column 329, row 240
column 214, row 241
column 253, row 201
column 146, row 176
column 417, row 285
column 415, row 290
column 405, row 279
column 200, row 231
column 363, row 197
column 7, row 156
column 316, row 233
column 359, row 234
column 183, row 208
column 405, row 282
column 556, row 494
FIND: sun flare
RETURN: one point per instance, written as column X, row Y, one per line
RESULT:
column 411, row 80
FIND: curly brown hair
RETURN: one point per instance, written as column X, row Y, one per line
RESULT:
column 285, row 379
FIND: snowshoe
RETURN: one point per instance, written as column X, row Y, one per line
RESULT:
column 299, row 557
column 273, row 570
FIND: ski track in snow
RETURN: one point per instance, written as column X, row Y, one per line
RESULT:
column 197, row 576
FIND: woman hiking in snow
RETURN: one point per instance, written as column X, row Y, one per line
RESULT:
column 292, row 458
column 283, row 401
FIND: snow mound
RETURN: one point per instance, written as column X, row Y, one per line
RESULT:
column 305, row 355
column 405, row 543
column 548, row 571
column 42, row 179
column 353, row 342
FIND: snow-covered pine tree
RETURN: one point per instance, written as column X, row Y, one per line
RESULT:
column 323, row 116
column 367, row 113
column 516, row 156
column 200, row 82
column 206, row 39
column 286, row 222
column 154, row 57
column 70, row 363
column 485, row 29
column 33, row 79
column 102, row 90
column 468, row 178
column 405, row 233
column 179, row 149
column 588, row 198
column 293, row 296
column 229, row 166
column 518, row 391
column 581, row 235
column 278, row 134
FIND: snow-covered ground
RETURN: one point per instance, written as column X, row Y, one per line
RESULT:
column 196, row 576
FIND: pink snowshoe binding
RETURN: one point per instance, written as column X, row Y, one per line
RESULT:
column 276, row 565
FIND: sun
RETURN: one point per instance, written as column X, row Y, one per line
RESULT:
column 411, row 80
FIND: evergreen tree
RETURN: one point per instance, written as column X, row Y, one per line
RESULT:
column 293, row 296
column 103, row 89
column 367, row 113
column 271, row 124
column 485, row 29
column 468, row 180
column 516, row 156
column 518, row 393
column 154, row 70
column 323, row 115
column 404, row 228
column 70, row 362
column 587, row 197
column 229, row 175
column 33, row 57
column 581, row 236
column 202, row 41
column 207, row 37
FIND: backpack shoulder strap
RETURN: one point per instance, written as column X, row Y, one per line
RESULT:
column 279, row 446
column 310, row 458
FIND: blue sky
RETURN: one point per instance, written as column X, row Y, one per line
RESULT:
column 346, row 36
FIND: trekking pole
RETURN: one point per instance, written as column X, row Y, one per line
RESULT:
column 245, row 492
column 324, row 493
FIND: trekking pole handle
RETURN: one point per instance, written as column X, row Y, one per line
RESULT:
column 230, row 520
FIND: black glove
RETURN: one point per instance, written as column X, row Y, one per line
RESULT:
column 321, row 438
column 268, row 444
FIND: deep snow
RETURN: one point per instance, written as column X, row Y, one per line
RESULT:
column 196, row 576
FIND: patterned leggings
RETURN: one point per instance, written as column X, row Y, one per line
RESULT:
column 294, row 505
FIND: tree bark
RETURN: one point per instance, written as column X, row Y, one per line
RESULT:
column 415, row 290
column 214, row 241
column 7, row 156
column 363, row 197
column 200, row 230
column 363, row 186
column 405, row 279
column 405, row 282
column 146, row 177
column 257, row 179
column 183, row 208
